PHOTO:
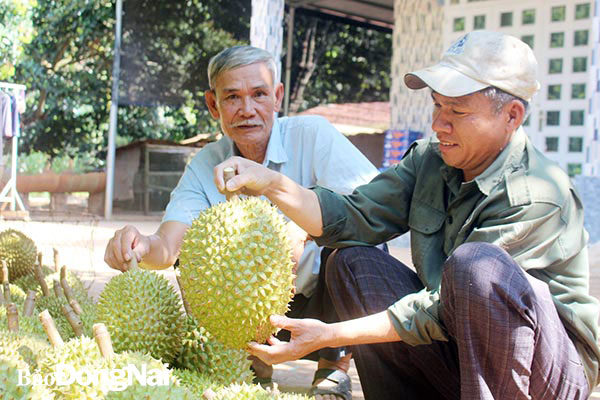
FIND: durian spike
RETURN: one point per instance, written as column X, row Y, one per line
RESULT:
column 68, row 291
column 73, row 319
column 186, row 305
column 58, row 292
column 229, row 173
column 40, row 277
column 12, row 317
column 50, row 328
column 209, row 394
column 29, row 304
column 103, row 340
column 56, row 264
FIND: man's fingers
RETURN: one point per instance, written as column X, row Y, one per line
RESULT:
column 281, row 321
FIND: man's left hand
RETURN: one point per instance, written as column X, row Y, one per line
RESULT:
column 307, row 335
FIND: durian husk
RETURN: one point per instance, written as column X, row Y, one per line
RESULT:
column 236, row 270
column 203, row 354
column 19, row 252
column 79, row 353
column 171, row 391
column 142, row 313
column 245, row 391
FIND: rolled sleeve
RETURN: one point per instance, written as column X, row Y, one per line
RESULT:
column 416, row 318
column 332, row 214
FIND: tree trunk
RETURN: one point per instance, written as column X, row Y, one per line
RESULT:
column 309, row 60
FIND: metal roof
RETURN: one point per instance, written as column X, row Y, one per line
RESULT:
column 372, row 12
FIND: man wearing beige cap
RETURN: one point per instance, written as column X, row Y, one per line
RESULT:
column 499, row 306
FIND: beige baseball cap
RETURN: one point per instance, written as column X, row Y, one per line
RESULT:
column 478, row 60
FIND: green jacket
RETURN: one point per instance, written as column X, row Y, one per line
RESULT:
column 523, row 203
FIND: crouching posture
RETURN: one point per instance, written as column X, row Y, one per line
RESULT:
column 498, row 304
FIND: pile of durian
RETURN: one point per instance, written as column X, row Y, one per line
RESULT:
column 235, row 271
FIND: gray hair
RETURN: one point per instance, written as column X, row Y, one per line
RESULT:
column 239, row 56
column 500, row 98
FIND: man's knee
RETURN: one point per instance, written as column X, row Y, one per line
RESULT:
column 339, row 263
column 477, row 267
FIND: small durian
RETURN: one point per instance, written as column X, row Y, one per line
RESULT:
column 253, row 392
column 10, row 368
column 142, row 312
column 146, row 367
column 236, row 270
column 196, row 382
column 19, row 252
column 200, row 352
column 79, row 354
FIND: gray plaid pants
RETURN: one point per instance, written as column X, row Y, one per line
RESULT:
column 506, row 339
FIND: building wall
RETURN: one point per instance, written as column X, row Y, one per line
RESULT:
column 266, row 27
column 533, row 22
column 417, row 42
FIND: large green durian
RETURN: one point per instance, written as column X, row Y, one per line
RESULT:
column 19, row 252
column 142, row 312
column 236, row 270
column 200, row 352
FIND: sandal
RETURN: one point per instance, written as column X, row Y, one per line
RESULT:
column 342, row 389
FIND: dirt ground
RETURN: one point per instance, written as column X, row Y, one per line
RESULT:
column 81, row 240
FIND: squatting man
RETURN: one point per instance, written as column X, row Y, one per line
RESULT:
column 499, row 306
column 244, row 96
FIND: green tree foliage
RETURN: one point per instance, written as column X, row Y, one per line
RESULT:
column 16, row 31
column 335, row 62
column 67, row 60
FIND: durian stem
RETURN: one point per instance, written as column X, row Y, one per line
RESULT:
column 40, row 277
column 50, row 328
column 58, row 292
column 73, row 319
column 229, row 173
column 56, row 264
column 4, row 272
column 6, row 289
column 103, row 340
column 69, row 294
column 39, row 258
column 12, row 317
column 186, row 305
column 133, row 262
column 29, row 304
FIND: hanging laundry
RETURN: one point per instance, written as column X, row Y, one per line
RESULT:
column 5, row 123
column 14, row 111
column 5, row 115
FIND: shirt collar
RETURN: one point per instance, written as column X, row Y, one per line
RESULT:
column 275, row 151
column 509, row 159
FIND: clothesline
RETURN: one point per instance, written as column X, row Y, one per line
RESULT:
column 8, row 85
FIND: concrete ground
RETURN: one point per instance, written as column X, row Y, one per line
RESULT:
column 81, row 240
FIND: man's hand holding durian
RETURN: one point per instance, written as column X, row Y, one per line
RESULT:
column 298, row 203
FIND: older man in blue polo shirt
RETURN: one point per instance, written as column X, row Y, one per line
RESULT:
column 244, row 96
